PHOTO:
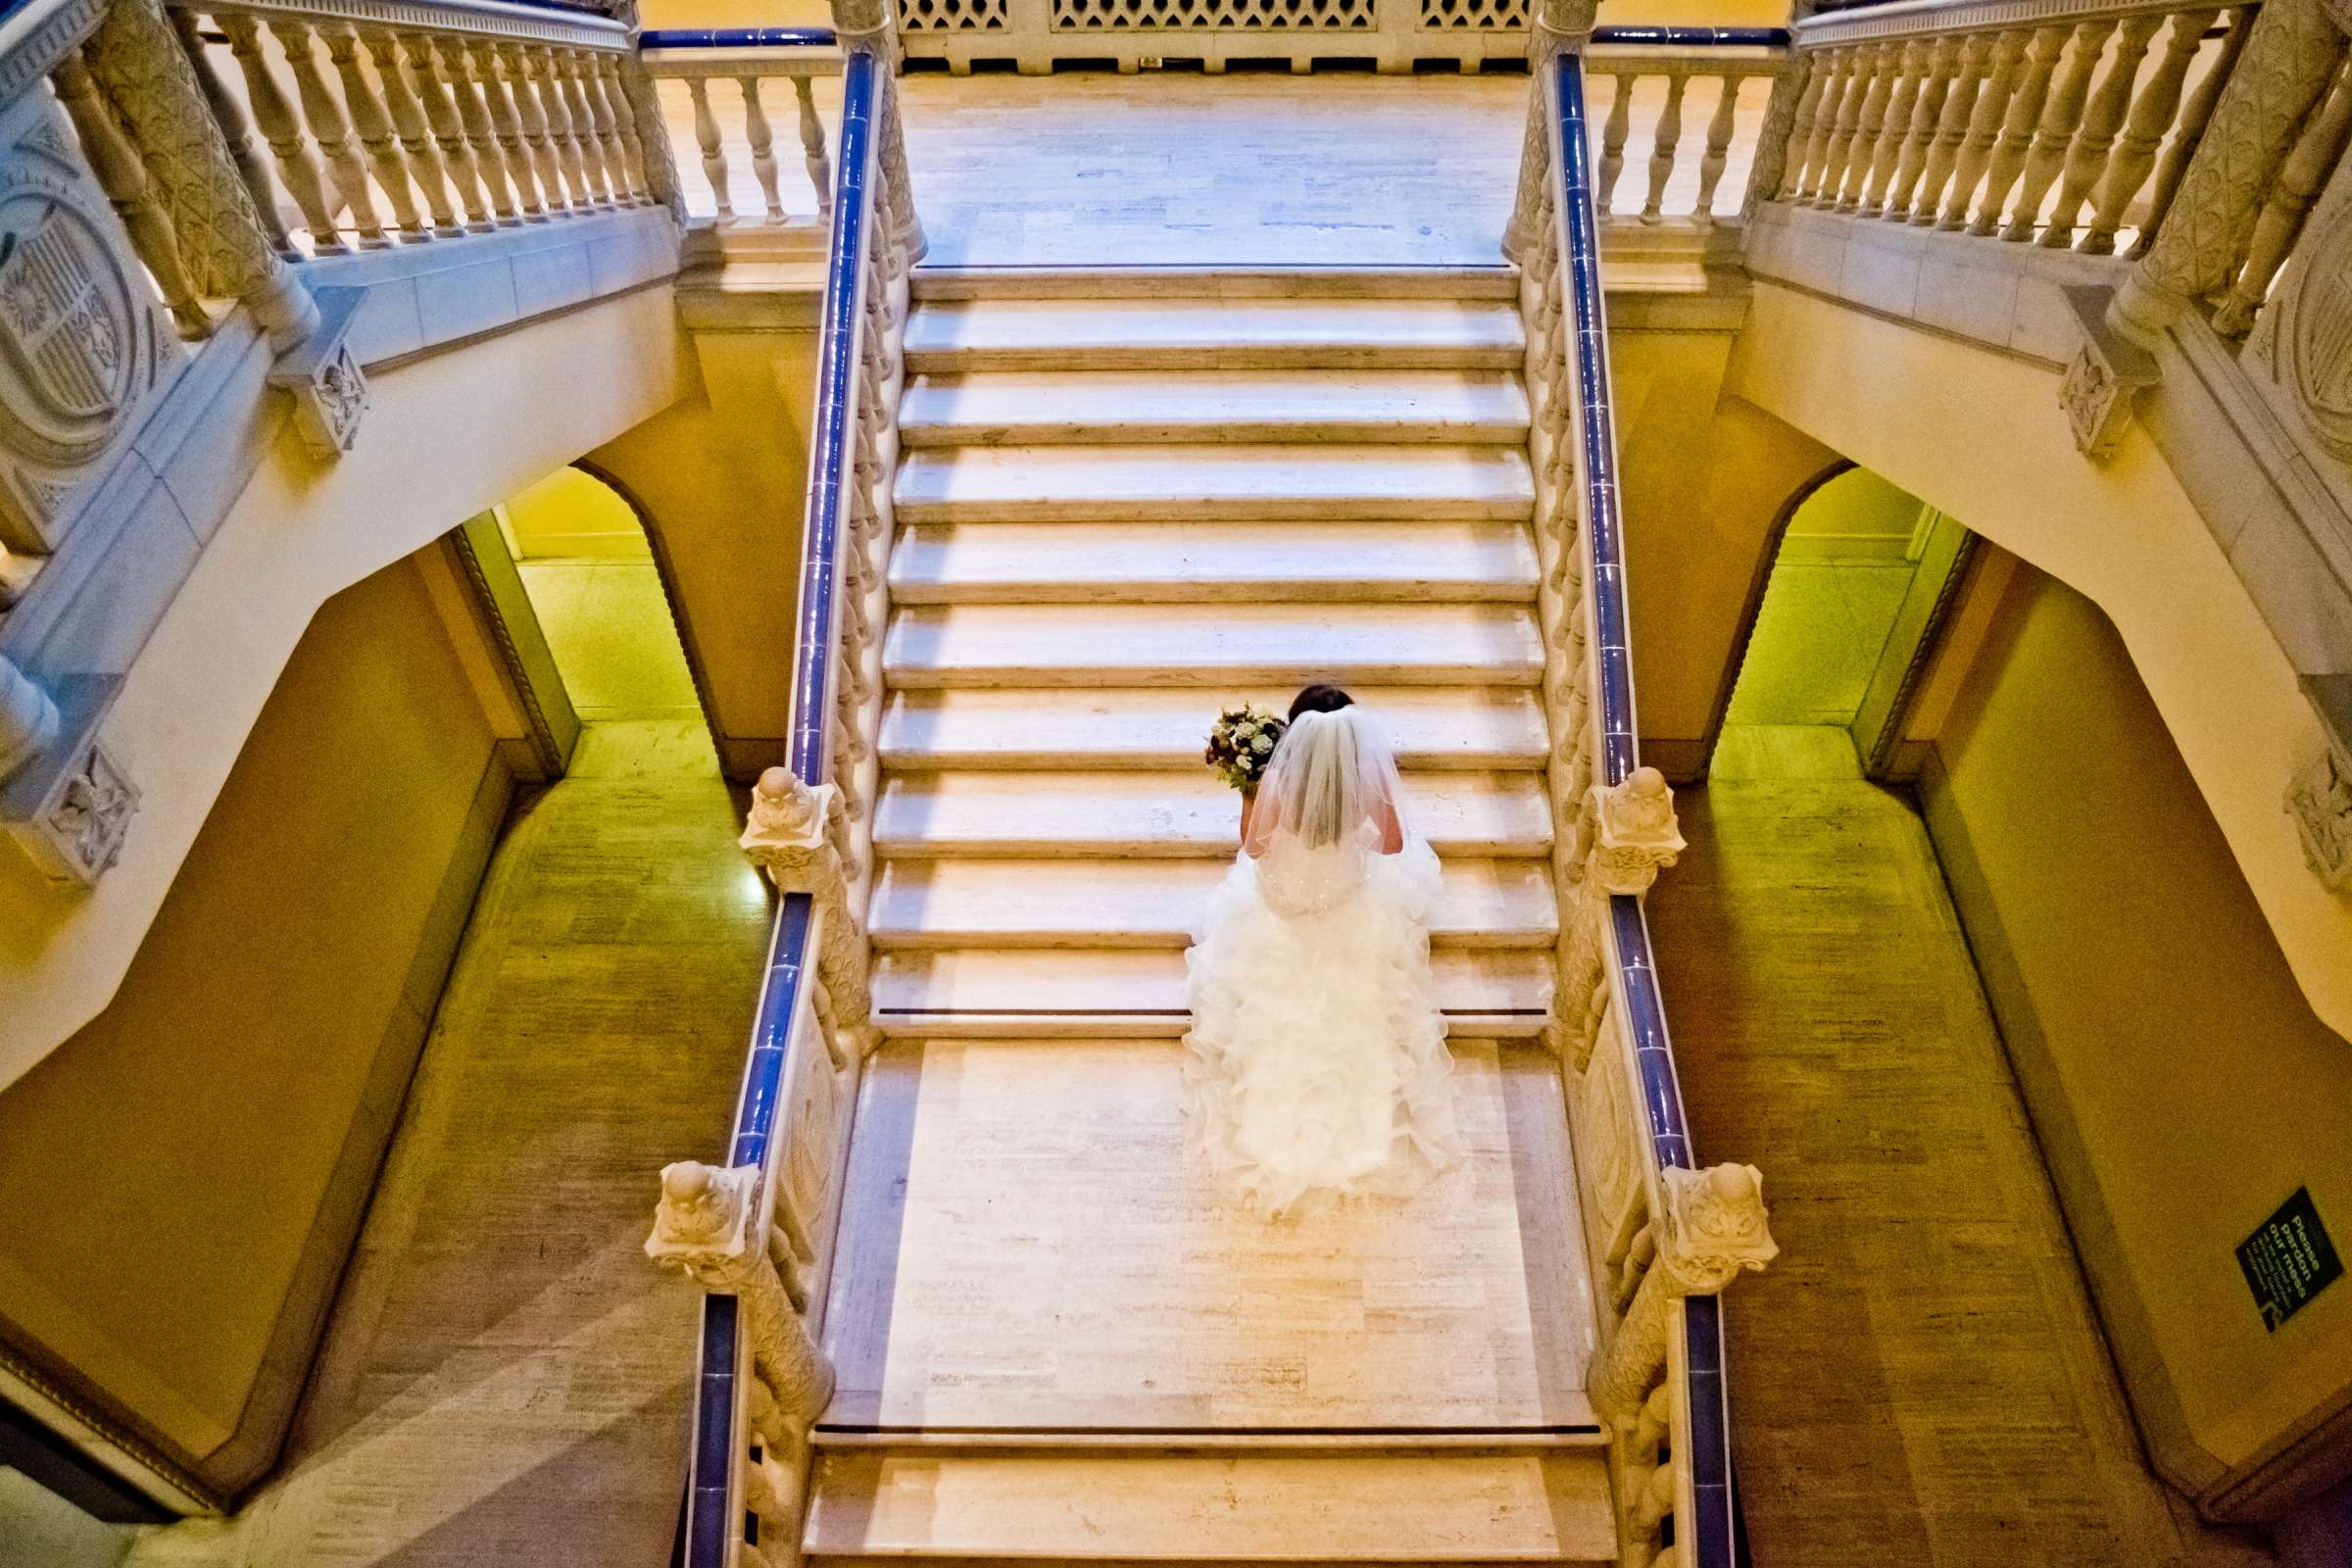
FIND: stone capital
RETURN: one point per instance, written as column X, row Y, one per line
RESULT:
column 1714, row 1226
column 1634, row 832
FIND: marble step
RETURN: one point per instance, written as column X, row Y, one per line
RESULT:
column 1196, row 1509
column 1214, row 646
column 1000, row 407
column 936, row 904
column 998, row 333
column 1237, row 483
column 1086, row 563
column 1179, row 816
column 1143, row 728
column 1064, row 993
column 1497, row 282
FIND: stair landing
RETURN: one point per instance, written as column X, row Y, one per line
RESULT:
column 1034, row 1252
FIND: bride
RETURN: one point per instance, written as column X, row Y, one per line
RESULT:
column 1316, row 1062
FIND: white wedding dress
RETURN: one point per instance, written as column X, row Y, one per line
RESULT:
column 1316, row 1064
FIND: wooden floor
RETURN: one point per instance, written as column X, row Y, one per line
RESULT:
column 1918, row 1380
column 1035, row 1252
column 506, row 1371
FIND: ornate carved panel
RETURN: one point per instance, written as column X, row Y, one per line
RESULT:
column 82, row 342
column 954, row 16
column 2305, row 337
column 1474, row 15
column 1248, row 15
column 810, row 1130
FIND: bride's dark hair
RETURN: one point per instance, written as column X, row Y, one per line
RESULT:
column 1319, row 698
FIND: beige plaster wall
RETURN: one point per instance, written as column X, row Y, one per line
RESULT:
column 1981, row 437
column 181, row 1179
column 2179, row 1080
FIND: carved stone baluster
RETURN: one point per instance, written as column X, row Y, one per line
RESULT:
column 564, row 67
column 812, row 145
column 2062, row 114
column 124, row 178
column 763, row 145
column 454, row 63
column 1927, row 118
column 2297, row 186
column 1662, row 146
column 714, row 149
column 1713, row 1226
column 1788, row 111
column 1866, row 85
column 2290, row 59
column 1951, row 131
column 2018, row 128
column 324, row 111
column 1555, row 24
column 581, row 68
column 1720, row 126
column 284, row 132
column 1613, row 135
column 791, row 834
column 449, row 131
column 228, row 112
column 2087, row 159
column 1990, row 114
column 516, row 67
column 2152, row 112
column 606, row 69
column 562, row 128
column 1896, row 128
column 506, row 127
column 373, row 125
column 646, row 118
column 29, row 716
column 1837, row 74
column 2195, row 117
column 415, row 135
column 906, row 225
column 138, row 66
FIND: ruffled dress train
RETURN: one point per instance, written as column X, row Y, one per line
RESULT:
column 1316, row 1065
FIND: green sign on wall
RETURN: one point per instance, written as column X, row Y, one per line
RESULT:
column 2289, row 1260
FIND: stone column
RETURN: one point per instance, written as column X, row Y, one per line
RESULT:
column 793, row 834
column 1558, row 26
column 2291, row 52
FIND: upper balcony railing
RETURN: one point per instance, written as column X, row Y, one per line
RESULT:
column 702, row 65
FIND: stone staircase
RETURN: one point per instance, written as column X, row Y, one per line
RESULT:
column 1126, row 502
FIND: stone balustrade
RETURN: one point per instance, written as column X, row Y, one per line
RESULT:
column 758, row 1232
column 419, row 123
column 1667, row 82
column 735, row 82
column 2069, row 129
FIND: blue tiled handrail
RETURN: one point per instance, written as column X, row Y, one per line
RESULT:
column 1709, row 1536
column 1670, row 38
column 735, row 38
column 711, row 1517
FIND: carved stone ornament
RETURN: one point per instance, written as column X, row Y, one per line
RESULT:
column 701, row 1225
column 2320, row 800
column 2305, row 336
column 74, row 833
column 1715, row 1226
column 82, row 345
column 2104, row 377
column 1634, row 832
column 330, row 393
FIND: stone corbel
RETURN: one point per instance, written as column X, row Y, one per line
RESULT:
column 330, row 393
column 67, row 800
column 2318, row 797
column 1635, row 833
column 792, row 834
column 2105, row 377
column 1713, row 1227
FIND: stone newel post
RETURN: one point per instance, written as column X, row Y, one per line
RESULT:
column 1713, row 1226
column 1558, row 24
column 1628, row 833
column 873, row 26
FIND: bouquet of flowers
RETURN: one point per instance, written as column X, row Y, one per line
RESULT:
column 1240, row 743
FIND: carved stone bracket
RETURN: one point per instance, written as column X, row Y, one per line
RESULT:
column 2320, row 800
column 1634, row 832
column 69, row 801
column 2108, row 372
column 330, row 393
column 1714, row 1226
column 793, row 833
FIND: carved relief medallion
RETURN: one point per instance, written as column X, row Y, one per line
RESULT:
column 2314, row 342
